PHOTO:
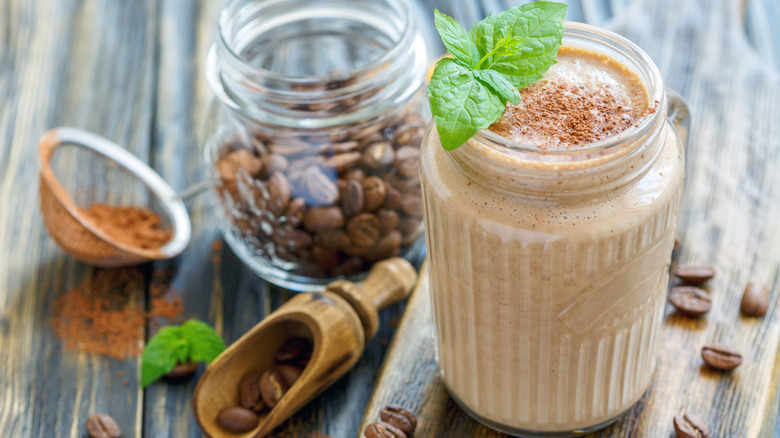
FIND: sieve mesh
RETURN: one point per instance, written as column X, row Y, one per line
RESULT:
column 78, row 170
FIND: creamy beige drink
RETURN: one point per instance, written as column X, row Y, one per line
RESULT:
column 549, row 259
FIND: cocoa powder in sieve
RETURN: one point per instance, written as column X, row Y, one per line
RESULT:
column 131, row 225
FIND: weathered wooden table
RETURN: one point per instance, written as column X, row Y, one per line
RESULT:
column 133, row 72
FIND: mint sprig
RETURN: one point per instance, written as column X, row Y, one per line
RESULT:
column 193, row 341
column 491, row 63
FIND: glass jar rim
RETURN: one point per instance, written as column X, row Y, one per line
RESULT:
column 398, row 46
column 656, row 98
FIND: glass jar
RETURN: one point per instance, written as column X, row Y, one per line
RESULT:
column 549, row 269
column 315, row 158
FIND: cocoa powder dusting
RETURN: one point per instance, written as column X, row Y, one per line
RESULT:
column 561, row 115
column 104, row 315
column 136, row 226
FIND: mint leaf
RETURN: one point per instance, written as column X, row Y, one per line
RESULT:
column 161, row 354
column 193, row 341
column 499, row 85
column 205, row 345
column 455, row 38
column 461, row 104
column 498, row 57
column 537, row 29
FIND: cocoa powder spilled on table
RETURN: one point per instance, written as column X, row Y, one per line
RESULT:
column 131, row 225
column 104, row 314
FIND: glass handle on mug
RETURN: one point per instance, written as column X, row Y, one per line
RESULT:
column 678, row 114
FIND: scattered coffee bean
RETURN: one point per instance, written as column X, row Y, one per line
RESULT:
column 694, row 274
column 293, row 349
column 690, row 426
column 399, row 417
column 383, row 430
column 182, row 370
column 272, row 388
column 690, row 300
column 721, row 357
column 102, row 426
column 755, row 299
column 288, row 373
column 237, row 419
column 249, row 396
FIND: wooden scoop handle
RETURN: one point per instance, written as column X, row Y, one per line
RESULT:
column 388, row 282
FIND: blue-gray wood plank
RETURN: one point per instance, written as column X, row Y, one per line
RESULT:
column 133, row 72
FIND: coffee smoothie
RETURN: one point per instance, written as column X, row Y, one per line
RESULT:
column 550, row 237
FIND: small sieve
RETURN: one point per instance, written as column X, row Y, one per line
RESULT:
column 80, row 169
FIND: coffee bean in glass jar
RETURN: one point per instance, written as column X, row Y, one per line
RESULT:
column 315, row 159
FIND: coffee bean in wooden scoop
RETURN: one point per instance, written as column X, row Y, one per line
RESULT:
column 721, row 357
column 102, row 426
column 690, row 426
column 694, row 274
column 755, row 299
column 689, row 300
column 237, row 419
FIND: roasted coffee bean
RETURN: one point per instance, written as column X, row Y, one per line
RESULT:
column 369, row 131
column 381, row 429
column 288, row 373
column 374, row 193
column 388, row 220
column 290, row 148
column 690, row 300
column 352, row 201
column 363, row 229
column 348, row 267
column 411, row 204
column 342, row 162
column 326, row 258
column 399, row 417
column 343, row 147
column 355, row 174
column 387, row 246
column 295, row 210
column 272, row 388
column 237, row 419
column 392, row 197
column 291, row 238
column 405, row 133
column 378, row 155
column 318, row 188
column 371, row 139
column 410, row 229
column 318, row 219
column 721, row 357
column 182, row 370
column 333, row 239
column 301, row 164
column 249, row 392
column 273, row 163
column 690, row 426
column 407, row 161
column 694, row 274
column 102, row 426
column 279, row 193
column 293, row 349
column 755, row 299
column 245, row 160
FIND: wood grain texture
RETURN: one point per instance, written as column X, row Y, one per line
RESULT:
column 730, row 205
column 133, row 71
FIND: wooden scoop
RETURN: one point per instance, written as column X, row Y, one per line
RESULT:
column 338, row 321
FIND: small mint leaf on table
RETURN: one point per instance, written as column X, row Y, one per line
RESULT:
column 497, row 58
column 193, row 341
